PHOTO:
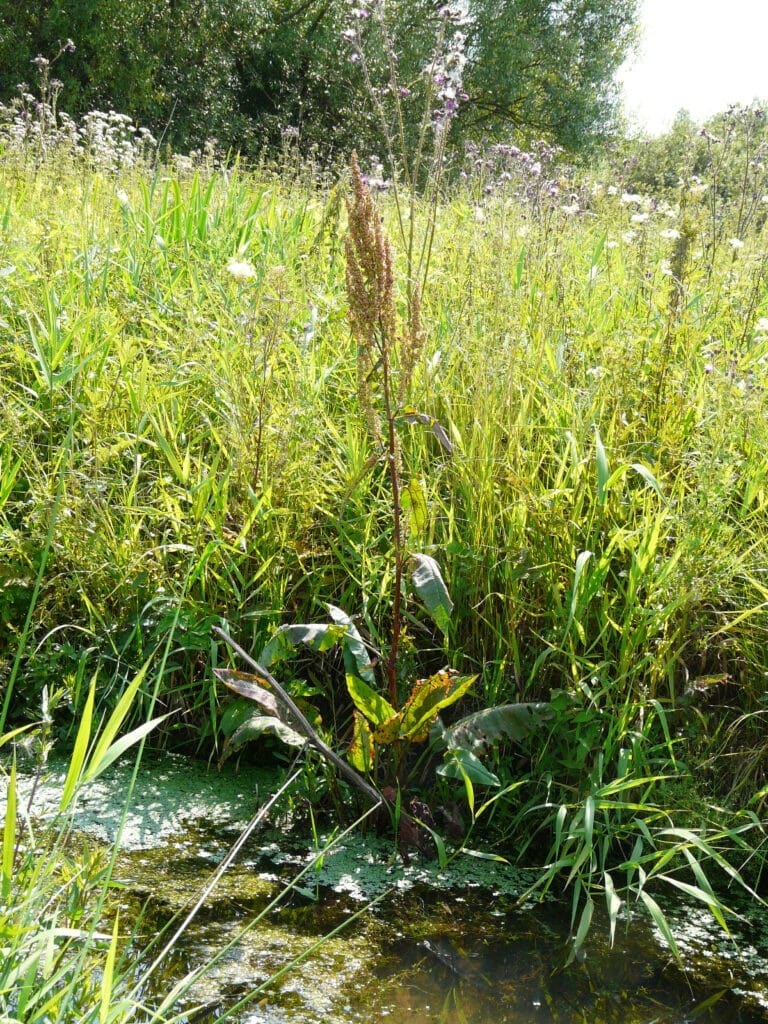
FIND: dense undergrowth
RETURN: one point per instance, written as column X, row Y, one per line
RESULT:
column 182, row 445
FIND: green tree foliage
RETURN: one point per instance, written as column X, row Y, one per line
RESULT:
column 245, row 71
column 546, row 67
column 174, row 65
column 656, row 165
column 728, row 152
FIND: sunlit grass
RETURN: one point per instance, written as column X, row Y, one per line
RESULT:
column 180, row 447
column 210, row 428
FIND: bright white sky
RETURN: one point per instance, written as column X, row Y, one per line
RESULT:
column 698, row 54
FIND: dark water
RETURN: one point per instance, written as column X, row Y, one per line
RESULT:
column 459, row 956
column 414, row 944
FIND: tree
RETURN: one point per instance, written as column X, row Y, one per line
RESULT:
column 546, row 67
column 246, row 70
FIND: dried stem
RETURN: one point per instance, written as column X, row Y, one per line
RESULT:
column 301, row 722
column 386, row 359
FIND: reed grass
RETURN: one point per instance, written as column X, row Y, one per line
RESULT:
column 181, row 446
column 207, row 430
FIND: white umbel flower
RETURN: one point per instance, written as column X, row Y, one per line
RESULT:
column 241, row 270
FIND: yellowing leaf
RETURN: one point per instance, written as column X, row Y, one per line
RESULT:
column 361, row 750
column 414, row 501
column 428, row 697
column 389, row 731
column 376, row 708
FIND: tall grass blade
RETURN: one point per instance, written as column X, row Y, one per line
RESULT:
column 98, row 765
column 101, row 754
column 613, row 904
column 108, row 975
column 659, row 919
column 80, row 749
column 9, row 833
column 585, row 923
column 603, row 469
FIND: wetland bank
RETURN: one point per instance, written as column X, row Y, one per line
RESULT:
column 475, row 474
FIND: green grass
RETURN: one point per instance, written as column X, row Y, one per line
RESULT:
column 166, row 423
column 179, row 448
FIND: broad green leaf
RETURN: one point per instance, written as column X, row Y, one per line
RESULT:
column 414, row 502
column 429, row 696
column 489, row 726
column 462, row 763
column 354, row 647
column 257, row 726
column 239, row 711
column 80, row 750
column 432, row 590
column 317, row 636
column 376, row 708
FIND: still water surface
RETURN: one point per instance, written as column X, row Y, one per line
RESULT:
column 451, row 945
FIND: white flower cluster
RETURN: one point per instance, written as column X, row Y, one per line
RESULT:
column 110, row 140
column 241, row 270
column 113, row 141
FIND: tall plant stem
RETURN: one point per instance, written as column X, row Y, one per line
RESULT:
column 393, row 469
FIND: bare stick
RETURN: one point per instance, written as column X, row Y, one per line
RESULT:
column 302, row 723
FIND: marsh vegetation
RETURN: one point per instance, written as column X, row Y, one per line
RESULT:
column 511, row 531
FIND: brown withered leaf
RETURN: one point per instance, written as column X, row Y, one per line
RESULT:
column 247, row 685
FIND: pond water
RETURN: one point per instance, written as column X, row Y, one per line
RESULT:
column 412, row 943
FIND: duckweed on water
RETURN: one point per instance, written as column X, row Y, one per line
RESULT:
column 441, row 945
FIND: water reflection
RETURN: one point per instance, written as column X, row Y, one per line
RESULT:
column 426, row 958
